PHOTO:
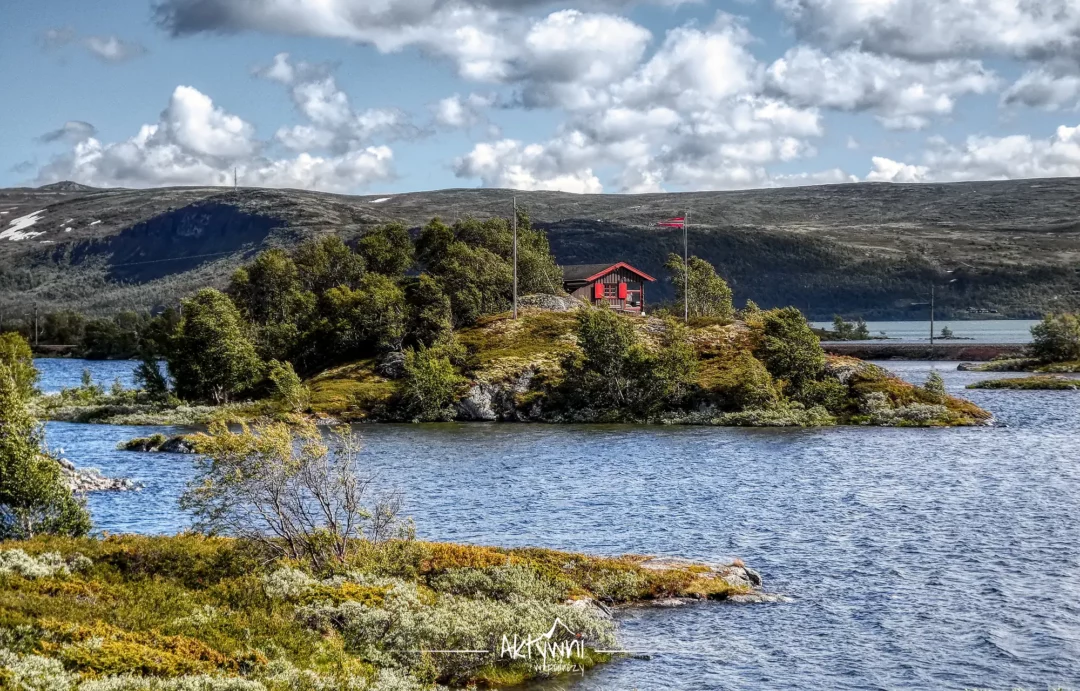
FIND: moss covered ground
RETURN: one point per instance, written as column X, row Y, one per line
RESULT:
column 127, row 612
column 1040, row 382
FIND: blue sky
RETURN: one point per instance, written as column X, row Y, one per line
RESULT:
column 386, row 96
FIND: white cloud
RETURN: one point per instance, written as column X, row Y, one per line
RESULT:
column 113, row 48
column 935, row 29
column 458, row 112
column 197, row 143
column 1044, row 88
column 888, row 170
column 509, row 163
column 902, row 93
column 989, row 158
column 333, row 123
column 72, row 131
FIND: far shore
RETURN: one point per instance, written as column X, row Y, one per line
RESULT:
column 947, row 350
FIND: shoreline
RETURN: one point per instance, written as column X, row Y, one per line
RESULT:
column 950, row 350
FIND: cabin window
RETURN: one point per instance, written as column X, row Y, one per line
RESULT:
column 611, row 290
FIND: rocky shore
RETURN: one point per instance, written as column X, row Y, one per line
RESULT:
column 84, row 480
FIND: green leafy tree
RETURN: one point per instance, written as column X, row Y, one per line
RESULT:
column 367, row 319
column 1056, row 338
column 387, row 250
column 676, row 367
column 430, row 385
column 271, row 297
column 149, row 377
column 34, row 498
column 212, row 357
column 430, row 319
column 118, row 337
column 477, row 281
column 17, row 358
column 710, row 295
column 789, row 349
column 327, row 262
column 288, row 391
column 611, row 372
column 64, row 328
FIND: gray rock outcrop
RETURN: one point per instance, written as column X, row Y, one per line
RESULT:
column 83, row 480
column 493, row 401
column 550, row 303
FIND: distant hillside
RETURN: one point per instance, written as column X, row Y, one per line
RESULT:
column 868, row 250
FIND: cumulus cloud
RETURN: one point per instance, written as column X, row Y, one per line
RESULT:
column 333, row 123
column 462, row 112
column 1044, row 88
column 989, row 158
column 903, row 94
column 509, row 163
column 195, row 142
column 694, row 114
column 937, row 29
column 72, row 131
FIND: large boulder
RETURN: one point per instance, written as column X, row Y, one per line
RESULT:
column 550, row 303
column 491, row 401
column 83, row 480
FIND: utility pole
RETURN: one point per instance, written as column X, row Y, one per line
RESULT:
column 931, row 321
column 36, row 332
column 515, row 259
column 235, row 185
column 686, row 266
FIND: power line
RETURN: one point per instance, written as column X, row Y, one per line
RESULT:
column 177, row 259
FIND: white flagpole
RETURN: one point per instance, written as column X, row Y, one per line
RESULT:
column 515, row 259
column 686, row 267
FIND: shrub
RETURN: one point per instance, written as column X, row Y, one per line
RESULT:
column 16, row 357
column 935, row 385
column 1056, row 338
column 288, row 391
column 34, row 498
column 285, row 489
column 430, row 385
column 709, row 294
column 788, row 348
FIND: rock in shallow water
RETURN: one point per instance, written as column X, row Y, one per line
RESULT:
column 83, row 480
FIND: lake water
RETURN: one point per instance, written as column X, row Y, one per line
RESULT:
column 915, row 559
column 977, row 330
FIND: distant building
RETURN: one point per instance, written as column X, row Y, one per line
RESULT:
column 619, row 286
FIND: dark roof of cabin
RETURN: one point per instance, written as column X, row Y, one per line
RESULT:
column 585, row 272
column 581, row 272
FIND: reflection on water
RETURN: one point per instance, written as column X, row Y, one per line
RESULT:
column 917, row 559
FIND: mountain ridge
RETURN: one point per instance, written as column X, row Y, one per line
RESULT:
column 860, row 249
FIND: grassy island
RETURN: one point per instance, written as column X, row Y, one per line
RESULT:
column 1041, row 382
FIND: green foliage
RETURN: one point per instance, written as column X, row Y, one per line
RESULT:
column 65, row 327
column 150, row 378
column 1036, row 383
column 789, row 349
column 431, row 384
column 371, row 317
column 616, row 376
column 473, row 263
column 327, row 262
column 738, row 380
column 34, row 499
column 946, row 332
column 387, row 250
column 288, row 391
column 709, row 294
column 849, row 331
column 430, row 319
column 116, row 338
column 1056, row 338
column 18, row 362
column 284, row 488
column 211, row 357
column 935, row 385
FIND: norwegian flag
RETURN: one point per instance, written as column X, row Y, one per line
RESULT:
column 679, row 222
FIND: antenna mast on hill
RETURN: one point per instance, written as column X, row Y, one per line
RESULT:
column 234, row 183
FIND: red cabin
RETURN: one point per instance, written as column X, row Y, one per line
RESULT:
column 619, row 286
